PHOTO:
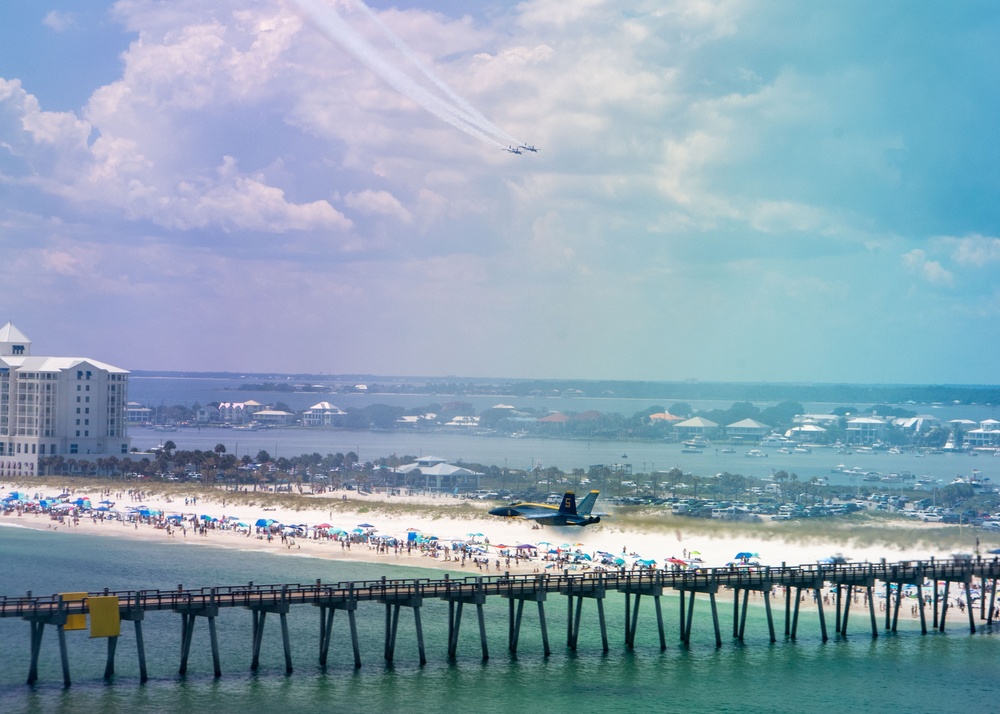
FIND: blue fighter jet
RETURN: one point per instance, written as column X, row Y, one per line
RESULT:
column 567, row 513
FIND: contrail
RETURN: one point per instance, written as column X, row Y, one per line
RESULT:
column 327, row 21
column 472, row 114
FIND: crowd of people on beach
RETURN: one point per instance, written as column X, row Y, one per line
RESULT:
column 472, row 551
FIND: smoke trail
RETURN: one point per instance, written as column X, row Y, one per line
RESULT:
column 327, row 21
column 473, row 116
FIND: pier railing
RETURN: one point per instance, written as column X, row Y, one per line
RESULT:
column 252, row 595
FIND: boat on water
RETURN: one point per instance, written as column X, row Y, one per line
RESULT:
column 976, row 480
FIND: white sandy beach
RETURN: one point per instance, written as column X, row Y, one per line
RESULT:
column 608, row 536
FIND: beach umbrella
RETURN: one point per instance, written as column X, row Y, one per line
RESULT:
column 324, row 526
column 365, row 525
column 358, row 530
column 107, row 503
column 206, row 518
column 744, row 556
column 676, row 561
column 263, row 522
column 527, row 546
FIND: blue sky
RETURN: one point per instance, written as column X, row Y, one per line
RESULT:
column 731, row 190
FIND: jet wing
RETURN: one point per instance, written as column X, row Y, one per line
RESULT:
column 535, row 515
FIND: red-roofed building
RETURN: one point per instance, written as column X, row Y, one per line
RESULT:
column 554, row 418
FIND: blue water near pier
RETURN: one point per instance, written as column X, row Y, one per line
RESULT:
column 933, row 673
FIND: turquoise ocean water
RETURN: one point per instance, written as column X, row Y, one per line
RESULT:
column 934, row 673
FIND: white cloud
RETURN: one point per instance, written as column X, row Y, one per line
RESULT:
column 930, row 270
column 377, row 203
column 129, row 153
column 558, row 14
column 975, row 250
column 59, row 21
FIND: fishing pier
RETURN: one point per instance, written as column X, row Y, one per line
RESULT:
column 107, row 610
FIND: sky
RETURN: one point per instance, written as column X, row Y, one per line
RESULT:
column 723, row 190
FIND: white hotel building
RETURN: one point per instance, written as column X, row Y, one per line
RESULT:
column 67, row 406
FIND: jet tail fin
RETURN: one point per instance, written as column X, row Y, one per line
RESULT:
column 568, row 505
column 587, row 504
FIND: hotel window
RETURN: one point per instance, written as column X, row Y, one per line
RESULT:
column 78, row 432
column 73, row 448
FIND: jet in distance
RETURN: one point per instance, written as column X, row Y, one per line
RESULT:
column 567, row 513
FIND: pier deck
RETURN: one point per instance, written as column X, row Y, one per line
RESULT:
column 262, row 599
